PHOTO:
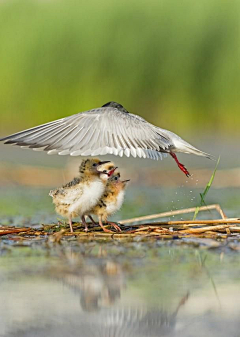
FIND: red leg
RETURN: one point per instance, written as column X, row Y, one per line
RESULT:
column 181, row 166
column 117, row 228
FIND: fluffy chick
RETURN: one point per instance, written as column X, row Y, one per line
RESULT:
column 80, row 195
column 108, row 168
column 111, row 201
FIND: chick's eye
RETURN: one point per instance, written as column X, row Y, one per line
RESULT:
column 116, row 178
column 94, row 165
column 104, row 171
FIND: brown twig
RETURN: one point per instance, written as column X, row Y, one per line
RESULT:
column 188, row 223
column 177, row 212
column 14, row 230
column 205, row 229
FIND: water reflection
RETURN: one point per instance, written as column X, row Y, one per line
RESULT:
column 113, row 290
column 98, row 286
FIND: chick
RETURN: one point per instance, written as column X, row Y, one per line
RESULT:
column 108, row 168
column 80, row 195
column 111, row 201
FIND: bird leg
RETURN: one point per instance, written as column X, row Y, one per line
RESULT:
column 70, row 223
column 84, row 222
column 114, row 225
column 181, row 166
column 93, row 222
column 104, row 228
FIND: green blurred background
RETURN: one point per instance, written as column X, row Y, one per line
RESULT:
column 177, row 63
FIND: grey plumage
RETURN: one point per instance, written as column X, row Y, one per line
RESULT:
column 110, row 129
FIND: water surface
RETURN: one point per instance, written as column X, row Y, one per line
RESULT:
column 118, row 288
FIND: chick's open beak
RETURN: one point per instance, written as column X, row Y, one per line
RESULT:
column 111, row 171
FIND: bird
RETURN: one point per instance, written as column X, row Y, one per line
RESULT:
column 109, row 129
column 111, row 201
column 108, row 168
column 80, row 195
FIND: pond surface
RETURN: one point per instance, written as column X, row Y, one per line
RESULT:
column 117, row 288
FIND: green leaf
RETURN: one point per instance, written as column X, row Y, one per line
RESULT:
column 207, row 188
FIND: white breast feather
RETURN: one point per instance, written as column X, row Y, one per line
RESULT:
column 113, row 207
column 91, row 193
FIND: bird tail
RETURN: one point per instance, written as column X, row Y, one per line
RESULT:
column 184, row 147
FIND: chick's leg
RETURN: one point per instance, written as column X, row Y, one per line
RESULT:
column 91, row 218
column 101, row 224
column 70, row 223
column 114, row 225
column 84, row 222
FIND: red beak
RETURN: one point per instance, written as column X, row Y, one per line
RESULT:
column 112, row 171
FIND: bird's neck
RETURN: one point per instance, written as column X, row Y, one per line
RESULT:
column 88, row 176
column 111, row 191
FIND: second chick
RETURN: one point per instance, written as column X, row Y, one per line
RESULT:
column 111, row 201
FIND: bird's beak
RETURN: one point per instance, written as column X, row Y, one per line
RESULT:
column 111, row 171
column 125, row 181
column 103, row 162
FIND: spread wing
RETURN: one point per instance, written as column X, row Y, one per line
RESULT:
column 96, row 132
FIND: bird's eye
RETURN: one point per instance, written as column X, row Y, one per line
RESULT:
column 116, row 178
column 104, row 171
column 94, row 165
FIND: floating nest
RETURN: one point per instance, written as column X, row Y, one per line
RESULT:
column 130, row 228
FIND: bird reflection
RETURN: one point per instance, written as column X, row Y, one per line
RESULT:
column 98, row 283
column 98, row 286
column 118, row 322
column 130, row 322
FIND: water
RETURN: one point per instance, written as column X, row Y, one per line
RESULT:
column 117, row 289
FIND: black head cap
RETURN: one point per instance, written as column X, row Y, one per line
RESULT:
column 116, row 106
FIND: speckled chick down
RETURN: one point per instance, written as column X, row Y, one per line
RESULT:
column 80, row 195
column 112, row 198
